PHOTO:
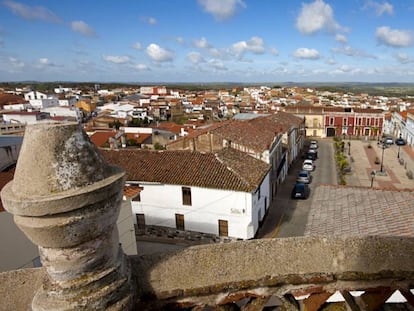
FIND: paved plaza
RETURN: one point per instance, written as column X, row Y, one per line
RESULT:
column 370, row 204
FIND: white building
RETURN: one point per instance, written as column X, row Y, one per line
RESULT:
column 40, row 100
column 24, row 117
column 226, row 193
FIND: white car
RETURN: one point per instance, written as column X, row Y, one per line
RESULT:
column 308, row 165
column 313, row 145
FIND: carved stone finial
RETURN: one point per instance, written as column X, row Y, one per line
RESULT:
column 66, row 199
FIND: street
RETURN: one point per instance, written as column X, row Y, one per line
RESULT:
column 294, row 213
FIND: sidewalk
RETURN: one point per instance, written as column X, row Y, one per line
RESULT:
column 396, row 162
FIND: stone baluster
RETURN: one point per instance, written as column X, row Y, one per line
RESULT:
column 66, row 199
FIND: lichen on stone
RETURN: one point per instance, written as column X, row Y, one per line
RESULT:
column 79, row 163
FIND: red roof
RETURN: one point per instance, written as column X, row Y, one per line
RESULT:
column 228, row 169
column 101, row 138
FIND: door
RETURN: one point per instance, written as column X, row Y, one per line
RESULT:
column 179, row 221
column 223, row 228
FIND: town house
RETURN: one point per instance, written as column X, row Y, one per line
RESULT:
column 224, row 193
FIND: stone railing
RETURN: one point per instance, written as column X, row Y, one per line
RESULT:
column 66, row 199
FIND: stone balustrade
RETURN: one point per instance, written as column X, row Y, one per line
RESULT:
column 66, row 199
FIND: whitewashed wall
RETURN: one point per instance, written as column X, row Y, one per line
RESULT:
column 159, row 203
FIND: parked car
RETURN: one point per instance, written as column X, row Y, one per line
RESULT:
column 308, row 165
column 304, row 177
column 313, row 144
column 388, row 140
column 312, row 154
column 300, row 191
column 400, row 141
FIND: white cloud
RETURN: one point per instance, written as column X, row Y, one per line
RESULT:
column 341, row 38
column 195, row 57
column 274, row 51
column 137, row 46
column 32, row 12
column 44, row 62
column 404, row 58
column 306, row 53
column 202, row 43
column 380, row 8
column 83, row 28
column 349, row 51
column 394, row 37
column 180, row 40
column 159, row 54
column 254, row 45
column 316, row 16
column 221, row 9
column 141, row 67
column 15, row 63
column 149, row 20
column 216, row 64
column 331, row 61
column 116, row 59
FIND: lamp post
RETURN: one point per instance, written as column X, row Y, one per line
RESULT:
column 383, row 145
column 398, row 154
column 372, row 178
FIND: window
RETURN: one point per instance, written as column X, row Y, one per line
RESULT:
column 368, row 119
column 223, row 227
column 344, row 121
column 179, row 221
column 331, row 121
column 186, row 191
column 359, row 121
column 140, row 221
column 137, row 198
column 258, row 193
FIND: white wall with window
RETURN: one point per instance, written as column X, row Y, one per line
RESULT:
column 208, row 208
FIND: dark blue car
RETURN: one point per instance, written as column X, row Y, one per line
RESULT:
column 300, row 191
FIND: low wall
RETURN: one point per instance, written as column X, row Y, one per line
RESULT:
column 207, row 273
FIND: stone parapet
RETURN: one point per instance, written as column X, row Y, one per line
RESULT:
column 254, row 271
column 66, row 199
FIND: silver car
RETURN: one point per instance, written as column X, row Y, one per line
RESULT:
column 304, row 177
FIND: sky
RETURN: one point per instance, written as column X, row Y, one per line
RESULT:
column 171, row 41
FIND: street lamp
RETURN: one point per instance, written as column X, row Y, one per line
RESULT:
column 383, row 145
column 398, row 154
column 372, row 177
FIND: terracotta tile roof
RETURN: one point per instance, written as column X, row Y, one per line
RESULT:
column 258, row 133
column 228, row 169
column 140, row 139
column 131, row 191
column 170, row 126
column 101, row 138
column 7, row 99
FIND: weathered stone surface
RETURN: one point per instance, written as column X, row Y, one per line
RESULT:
column 66, row 199
column 209, row 274
column 18, row 287
column 59, row 169
column 206, row 269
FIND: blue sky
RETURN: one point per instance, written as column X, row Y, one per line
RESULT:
column 207, row 40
